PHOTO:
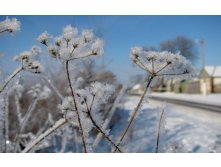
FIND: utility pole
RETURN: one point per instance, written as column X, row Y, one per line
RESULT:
column 204, row 86
column 203, row 53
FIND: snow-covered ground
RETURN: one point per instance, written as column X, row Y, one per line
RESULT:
column 214, row 99
column 186, row 130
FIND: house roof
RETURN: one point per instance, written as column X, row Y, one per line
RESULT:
column 213, row 71
column 137, row 86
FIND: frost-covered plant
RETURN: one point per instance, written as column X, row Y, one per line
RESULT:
column 71, row 44
column 38, row 93
column 28, row 63
column 10, row 25
column 157, row 64
column 77, row 107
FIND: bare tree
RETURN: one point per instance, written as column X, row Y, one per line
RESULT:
column 182, row 44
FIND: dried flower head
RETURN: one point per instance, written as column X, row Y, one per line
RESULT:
column 43, row 38
column 10, row 25
column 72, row 45
column 37, row 91
column 164, row 64
column 27, row 58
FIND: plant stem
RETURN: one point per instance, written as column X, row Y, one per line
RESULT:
column 98, row 128
column 53, row 87
column 110, row 115
column 18, row 70
column 134, row 113
column 158, row 130
column 3, row 30
column 24, row 122
column 76, row 108
column 43, row 136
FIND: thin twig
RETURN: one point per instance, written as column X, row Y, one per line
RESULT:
column 152, row 66
column 53, row 87
column 158, row 130
column 3, row 30
column 162, row 68
column 24, row 121
column 172, row 74
column 144, row 67
column 134, row 113
column 97, row 127
column 43, row 136
column 76, row 108
column 110, row 115
column 18, row 70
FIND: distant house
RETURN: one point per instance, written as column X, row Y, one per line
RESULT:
column 136, row 89
column 211, row 75
column 209, row 78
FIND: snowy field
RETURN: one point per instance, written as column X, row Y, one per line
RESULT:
column 186, row 129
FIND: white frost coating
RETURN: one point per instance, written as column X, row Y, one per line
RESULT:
column 110, row 115
column 34, row 67
column 88, row 35
column 53, row 87
column 67, row 104
column 10, row 25
column 43, row 38
column 73, row 45
column 18, row 70
column 95, row 95
column 69, row 32
column 27, row 59
column 2, row 124
column 17, row 89
column 39, row 92
column 35, row 50
column 57, row 125
column 164, row 64
column 88, row 101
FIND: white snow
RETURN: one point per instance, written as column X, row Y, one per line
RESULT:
column 186, row 129
column 214, row 71
column 209, row 70
column 217, row 72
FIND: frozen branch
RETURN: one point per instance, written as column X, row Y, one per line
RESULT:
column 53, row 87
column 24, row 122
column 76, row 108
column 97, row 127
column 43, row 136
column 17, row 71
column 18, row 108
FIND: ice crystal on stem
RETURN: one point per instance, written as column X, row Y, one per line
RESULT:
column 89, row 100
column 27, row 59
column 43, row 38
column 10, row 25
column 28, row 63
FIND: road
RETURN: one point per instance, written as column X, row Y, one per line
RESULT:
column 203, row 106
column 201, row 113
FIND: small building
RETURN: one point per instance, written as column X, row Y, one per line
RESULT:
column 208, row 81
column 137, row 89
column 211, row 77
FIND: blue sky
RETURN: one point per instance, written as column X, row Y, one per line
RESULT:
column 120, row 34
